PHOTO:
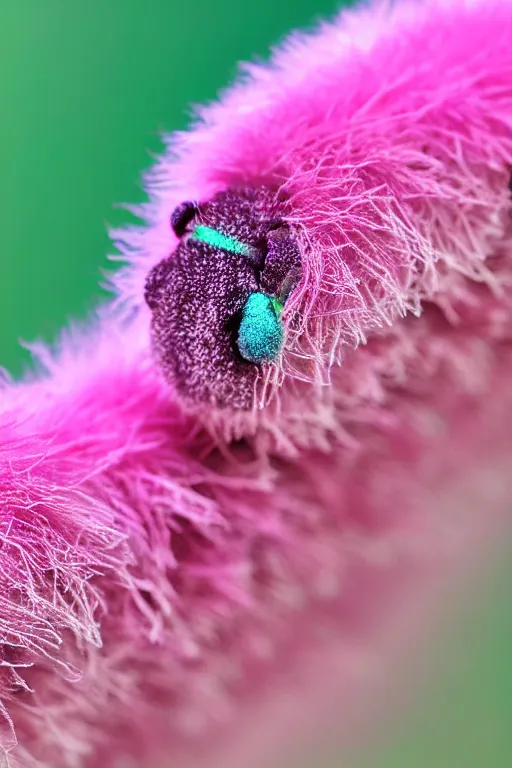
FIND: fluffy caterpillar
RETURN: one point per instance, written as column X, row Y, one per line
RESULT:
column 229, row 505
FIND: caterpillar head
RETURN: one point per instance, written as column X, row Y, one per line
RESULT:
column 216, row 301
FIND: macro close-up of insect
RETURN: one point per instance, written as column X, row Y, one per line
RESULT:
column 255, row 450
column 211, row 334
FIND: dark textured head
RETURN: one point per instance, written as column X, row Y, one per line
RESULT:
column 216, row 300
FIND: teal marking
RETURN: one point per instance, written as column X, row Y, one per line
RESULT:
column 278, row 306
column 215, row 238
column 260, row 335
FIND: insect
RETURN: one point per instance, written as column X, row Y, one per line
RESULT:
column 217, row 300
column 164, row 567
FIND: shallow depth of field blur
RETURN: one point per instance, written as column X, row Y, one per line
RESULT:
column 85, row 89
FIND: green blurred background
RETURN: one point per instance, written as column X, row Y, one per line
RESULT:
column 86, row 88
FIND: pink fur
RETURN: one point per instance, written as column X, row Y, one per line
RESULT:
column 155, row 575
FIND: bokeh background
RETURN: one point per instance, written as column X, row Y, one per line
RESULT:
column 86, row 89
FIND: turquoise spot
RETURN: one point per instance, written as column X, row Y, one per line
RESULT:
column 217, row 239
column 261, row 334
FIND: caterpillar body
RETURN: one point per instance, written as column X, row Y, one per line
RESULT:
column 250, row 476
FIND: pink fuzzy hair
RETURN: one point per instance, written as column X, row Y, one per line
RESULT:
column 162, row 566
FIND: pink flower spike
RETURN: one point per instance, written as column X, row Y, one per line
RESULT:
column 232, row 507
